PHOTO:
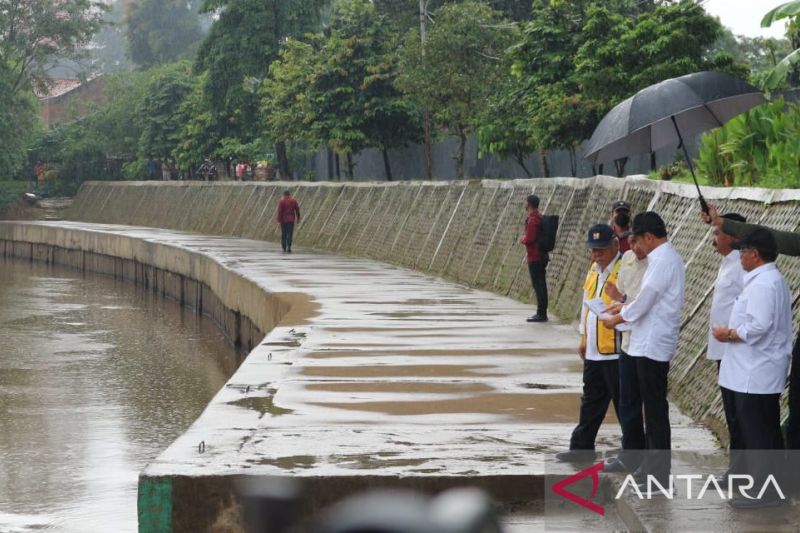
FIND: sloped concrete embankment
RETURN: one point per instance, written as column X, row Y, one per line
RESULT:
column 466, row 232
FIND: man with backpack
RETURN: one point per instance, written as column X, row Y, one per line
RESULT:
column 538, row 239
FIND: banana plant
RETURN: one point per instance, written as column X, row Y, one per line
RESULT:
column 777, row 76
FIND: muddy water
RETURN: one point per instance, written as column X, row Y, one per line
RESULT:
column 96, row 379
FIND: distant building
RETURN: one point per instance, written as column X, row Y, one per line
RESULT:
column 70, row 98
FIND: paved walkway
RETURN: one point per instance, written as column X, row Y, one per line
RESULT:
column 387, row 373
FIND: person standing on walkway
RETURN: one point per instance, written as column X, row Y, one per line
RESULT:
column 537, row 260
column 288, row 214
column 727, row 287
column 629, row 283
column 758, row 344
column 655, row 317
column 599, row 347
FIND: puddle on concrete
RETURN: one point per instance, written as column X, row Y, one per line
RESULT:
column 372, row 371
column 533, row 408
column 394, row 387
column 431, row 352
column 262, row 404
column 373, row 462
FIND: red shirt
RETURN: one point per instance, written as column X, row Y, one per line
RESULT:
column 531, row 237
column 624, row 245
column 288, row 210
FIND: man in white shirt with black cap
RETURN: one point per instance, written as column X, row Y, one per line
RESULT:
column 655, row 319
column 758, row 339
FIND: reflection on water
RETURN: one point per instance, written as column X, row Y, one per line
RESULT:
column 96, row 379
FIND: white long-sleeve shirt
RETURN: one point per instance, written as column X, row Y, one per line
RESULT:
column 762, row 317
column 729, row 285
column 629, row 282
column 655, row 314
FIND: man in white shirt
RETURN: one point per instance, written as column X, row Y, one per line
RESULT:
column 629, row 283
column 727, row 287
column 758, row 341
column 599, row 347
column 655, row 318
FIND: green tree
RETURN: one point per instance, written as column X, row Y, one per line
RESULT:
column 159, row 112
column 461, row 67
column 244, row 40
column 161, row 31
column 352, row 90
column 18, row 123
column 34, row 31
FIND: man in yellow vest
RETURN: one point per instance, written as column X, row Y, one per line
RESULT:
column 600, row 346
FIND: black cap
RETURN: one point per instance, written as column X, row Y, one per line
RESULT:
column 620, row 204
column 600, row 236
column 762, row 240
column 649, row 222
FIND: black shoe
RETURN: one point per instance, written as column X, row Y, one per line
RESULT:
column 746, row 503
column 537, row 318
column 576, row 456
column 615, row 466
column 289, row 250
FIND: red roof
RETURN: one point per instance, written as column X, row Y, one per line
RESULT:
column 59, row 86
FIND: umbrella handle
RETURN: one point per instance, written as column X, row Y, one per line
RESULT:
column 703, row 203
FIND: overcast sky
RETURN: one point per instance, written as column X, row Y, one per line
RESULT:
column 744, row 16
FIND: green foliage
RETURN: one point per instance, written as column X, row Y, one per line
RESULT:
column 18, row 123
column 34, row 31
column 160, row 31
column 237, row 52
column 787, row 68
column 461, row 67
column 757, row 148
column 10, row 192
column 159, row 112
column 579, row 58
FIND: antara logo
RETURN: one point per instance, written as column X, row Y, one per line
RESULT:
column 594, row 471
column 742, row 483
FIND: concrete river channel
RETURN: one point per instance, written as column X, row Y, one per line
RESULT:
column 98, row 378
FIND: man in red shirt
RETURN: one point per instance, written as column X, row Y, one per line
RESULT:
column 537, row 260
column 288, row 214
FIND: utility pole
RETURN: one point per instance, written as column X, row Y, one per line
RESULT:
column 426, row 116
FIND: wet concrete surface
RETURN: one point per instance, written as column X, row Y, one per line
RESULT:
column 96, row 379
column 382, row 371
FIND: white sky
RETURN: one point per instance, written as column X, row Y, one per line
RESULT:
column 743, row 17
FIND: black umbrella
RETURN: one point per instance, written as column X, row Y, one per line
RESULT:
column 662, row 114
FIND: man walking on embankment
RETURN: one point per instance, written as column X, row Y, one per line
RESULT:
column 288, row 214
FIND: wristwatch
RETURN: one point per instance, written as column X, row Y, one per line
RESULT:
column 730, row 335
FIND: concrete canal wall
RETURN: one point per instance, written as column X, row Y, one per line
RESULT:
column 466, row 232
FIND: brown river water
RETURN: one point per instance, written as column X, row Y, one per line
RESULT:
column 97, row 377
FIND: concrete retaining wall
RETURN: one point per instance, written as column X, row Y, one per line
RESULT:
column 466, row 232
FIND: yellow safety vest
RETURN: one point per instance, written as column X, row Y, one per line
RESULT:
column 608, row 340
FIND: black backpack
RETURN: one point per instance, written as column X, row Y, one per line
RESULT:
column 547, row 233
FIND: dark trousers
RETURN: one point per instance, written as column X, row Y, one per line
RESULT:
column 287, row 230
column 757, row 426
column 735, row 442
column 646, row 380
column 630, row 413
column 600, row 386
column 538, row 272
column 793, row 429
